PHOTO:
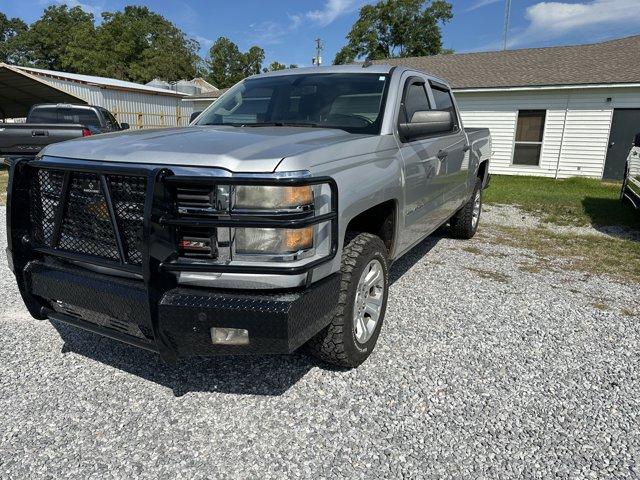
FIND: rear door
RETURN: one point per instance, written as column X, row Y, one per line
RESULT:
column 625, row 125
column 453, row 147
column 423, row 170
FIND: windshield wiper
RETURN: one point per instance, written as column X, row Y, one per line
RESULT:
column 281, row 124
column 278, row 124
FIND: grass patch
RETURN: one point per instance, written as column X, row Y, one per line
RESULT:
column 592, row 254
column 4, row 180
column 574, row 201
column 474, row 250
column 490, row 274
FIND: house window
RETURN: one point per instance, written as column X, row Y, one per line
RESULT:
column 529, row 137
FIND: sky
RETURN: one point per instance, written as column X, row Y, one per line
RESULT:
column 286, row 29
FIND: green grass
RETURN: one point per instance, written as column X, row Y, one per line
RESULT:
column 591, row 254
column 574, row 201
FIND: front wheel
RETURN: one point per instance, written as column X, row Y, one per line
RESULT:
column 464, row 222
column 353, row 332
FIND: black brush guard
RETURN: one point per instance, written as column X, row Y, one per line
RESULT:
column 144, row 306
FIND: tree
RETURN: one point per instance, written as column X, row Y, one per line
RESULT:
column 275, row 66
column 396, row 28
column 228, row 65
column 47, row 42
column 135, row 44
column 253, row 60
column 139, row 45
column 10, row 29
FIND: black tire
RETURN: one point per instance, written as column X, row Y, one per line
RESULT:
column 462, row 224
column 337, row 343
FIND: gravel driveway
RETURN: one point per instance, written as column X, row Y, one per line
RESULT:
column 483, row 369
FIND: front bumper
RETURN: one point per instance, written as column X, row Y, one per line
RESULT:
column 179, row 324
column 130, row 291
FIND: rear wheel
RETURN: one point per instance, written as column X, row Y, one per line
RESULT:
column 353, row 332
column 464, row 223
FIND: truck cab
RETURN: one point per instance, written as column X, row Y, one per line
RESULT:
column 269, row 223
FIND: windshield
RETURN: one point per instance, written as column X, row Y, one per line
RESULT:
column 349, row 101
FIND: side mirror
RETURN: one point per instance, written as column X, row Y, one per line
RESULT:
column 636, row 141
column 425, row 123
column 124, row 126
column 194, row 115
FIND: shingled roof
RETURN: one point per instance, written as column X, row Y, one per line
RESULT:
column 615, row 61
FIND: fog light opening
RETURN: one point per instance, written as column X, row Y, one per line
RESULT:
column 229, row 336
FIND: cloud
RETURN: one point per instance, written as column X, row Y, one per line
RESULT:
column 479, row 4
column 96, row 10
column 332, row 10
column 205, row 43
column 549, row 20
column 267, row 33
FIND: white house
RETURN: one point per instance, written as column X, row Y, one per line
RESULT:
column 554, row 112
column 141, row 106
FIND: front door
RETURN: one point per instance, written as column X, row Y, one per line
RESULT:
column 424, row 170
column 625, row 125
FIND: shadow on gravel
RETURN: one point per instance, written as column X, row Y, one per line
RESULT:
column 413, row 256
column 245, row 375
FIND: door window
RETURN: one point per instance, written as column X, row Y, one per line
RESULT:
column 111, row 121
column 529, row 135
column 444, row 102
column 415, row 100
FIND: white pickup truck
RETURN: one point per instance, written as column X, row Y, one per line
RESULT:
column 267, row 224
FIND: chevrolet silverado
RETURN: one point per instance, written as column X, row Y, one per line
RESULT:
column 268, row 224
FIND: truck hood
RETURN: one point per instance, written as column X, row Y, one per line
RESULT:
column 238, row 149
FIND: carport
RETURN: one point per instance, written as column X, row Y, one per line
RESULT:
column 20, row 90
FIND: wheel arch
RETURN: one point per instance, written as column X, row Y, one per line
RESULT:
column 380, row 220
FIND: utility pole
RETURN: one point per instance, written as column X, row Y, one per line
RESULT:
column 507, row 17
column 317, row 60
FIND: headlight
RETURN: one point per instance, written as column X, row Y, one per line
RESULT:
column 258, row 197
column 276, row 241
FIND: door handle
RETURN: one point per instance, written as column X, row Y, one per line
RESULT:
column 39, row 133
column 612, row 144
column 466, row 148
column 442, row 154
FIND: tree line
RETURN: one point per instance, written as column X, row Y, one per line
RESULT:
column 138, row 45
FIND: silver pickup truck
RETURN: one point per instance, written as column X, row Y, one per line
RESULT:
column 268, row 224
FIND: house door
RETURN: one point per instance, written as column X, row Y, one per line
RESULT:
column 625, row 126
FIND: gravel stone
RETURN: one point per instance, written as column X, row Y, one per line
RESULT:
column 511, row 374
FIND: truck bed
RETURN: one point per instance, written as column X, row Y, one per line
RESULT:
column 30, row 138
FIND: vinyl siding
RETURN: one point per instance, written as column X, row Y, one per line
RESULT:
column 576, row 131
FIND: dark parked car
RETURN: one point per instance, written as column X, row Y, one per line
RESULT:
column 631, row 182
column 53, row 123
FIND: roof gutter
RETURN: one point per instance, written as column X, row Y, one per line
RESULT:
column 546, row 87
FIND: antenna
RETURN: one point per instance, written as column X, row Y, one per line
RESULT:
column 317, row 60
column 507, row 17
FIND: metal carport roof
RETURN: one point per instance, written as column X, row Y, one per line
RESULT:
column 20, row 90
